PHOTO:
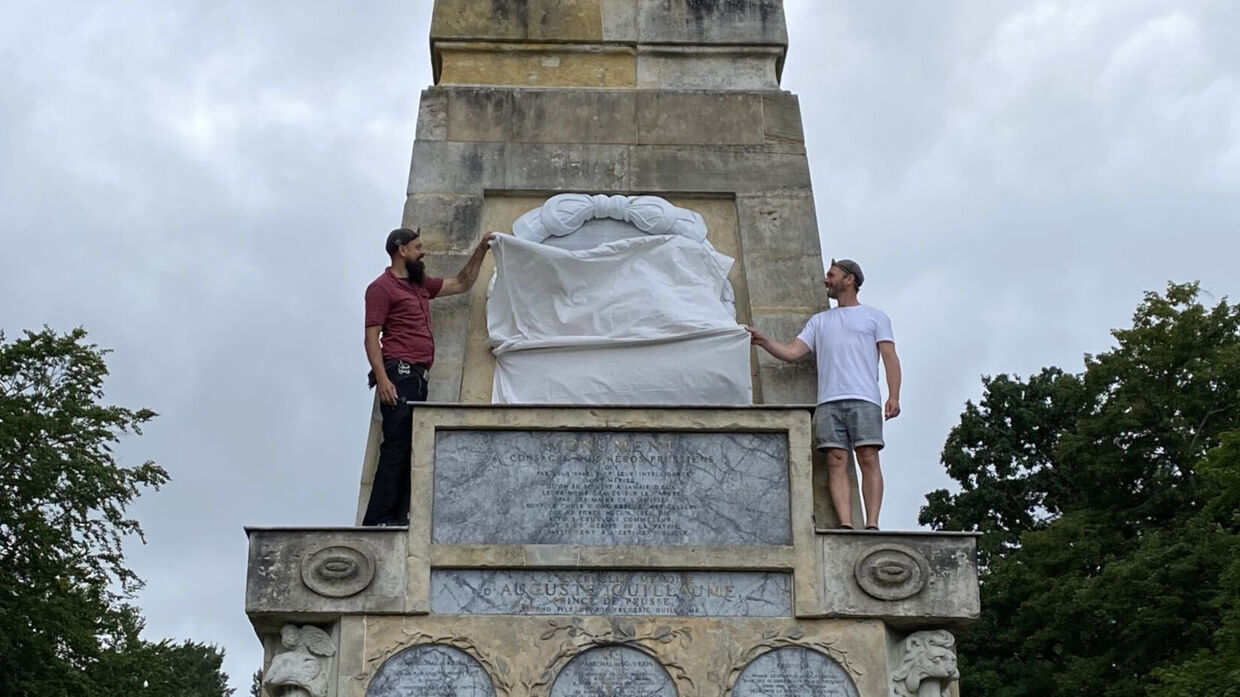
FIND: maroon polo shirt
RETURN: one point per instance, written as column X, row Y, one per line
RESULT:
column 403, row 310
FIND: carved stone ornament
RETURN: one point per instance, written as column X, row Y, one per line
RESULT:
column 564, row 214
column 927, row 665
column 338, row 571
column 891, row 572
column 301, row 670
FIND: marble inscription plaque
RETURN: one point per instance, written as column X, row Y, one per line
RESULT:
column 610, row 488
column 794, row 671
column 647, row 593
column 431, row 671
column 613, row 671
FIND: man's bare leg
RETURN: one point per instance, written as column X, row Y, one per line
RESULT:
column 871, row 482
column 837, row 482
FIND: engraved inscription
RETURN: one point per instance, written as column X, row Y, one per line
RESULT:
column 794, row 671
column 613, row 671
column 431, row 671
column 646, row 593
column 610, row 487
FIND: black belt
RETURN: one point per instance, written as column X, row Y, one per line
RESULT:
column 422, row 368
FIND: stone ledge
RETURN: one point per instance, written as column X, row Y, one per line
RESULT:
column 325, row 571
column 910, row 580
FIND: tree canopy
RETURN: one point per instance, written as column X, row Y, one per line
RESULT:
column 66, row 625
column 1109, row 502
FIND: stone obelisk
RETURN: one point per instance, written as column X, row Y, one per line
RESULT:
column 635, row 551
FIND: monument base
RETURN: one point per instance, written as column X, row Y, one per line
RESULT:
column 560, row 551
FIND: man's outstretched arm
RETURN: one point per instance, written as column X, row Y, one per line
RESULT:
column 464, row 280
column 891, row 365
column 794, row 350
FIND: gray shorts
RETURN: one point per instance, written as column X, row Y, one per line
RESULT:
column 848, row 423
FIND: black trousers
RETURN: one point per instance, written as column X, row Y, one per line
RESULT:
column 389, row 493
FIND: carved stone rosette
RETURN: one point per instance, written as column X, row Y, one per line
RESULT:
column 891, row 572
column 337, row 570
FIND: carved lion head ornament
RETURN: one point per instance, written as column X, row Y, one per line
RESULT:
column 927, row 665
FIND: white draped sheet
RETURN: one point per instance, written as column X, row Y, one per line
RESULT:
column 636, row 321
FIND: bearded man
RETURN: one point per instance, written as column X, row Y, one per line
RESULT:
column 400, row 347
column 847, row 342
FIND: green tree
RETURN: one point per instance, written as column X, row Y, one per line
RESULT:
column 141, row 668
column 66, row 627
column 1109, row 547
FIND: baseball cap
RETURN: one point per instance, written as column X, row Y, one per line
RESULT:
column 400, row 236
column 850, row 267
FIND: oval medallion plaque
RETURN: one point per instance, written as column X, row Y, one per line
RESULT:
column 431, row 671
column 338, row 571
column 613, row 671
column 794, row 671
column 891, row 572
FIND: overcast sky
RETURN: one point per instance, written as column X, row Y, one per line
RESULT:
column 203, row 185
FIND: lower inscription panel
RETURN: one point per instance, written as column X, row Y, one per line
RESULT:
column 794, row 671
column 648, row 593
column 431, row 671
column 613, row 671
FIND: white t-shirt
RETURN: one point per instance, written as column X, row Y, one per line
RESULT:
column 845, row 345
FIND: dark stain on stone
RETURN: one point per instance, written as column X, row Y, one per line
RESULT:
column 529, row 114
column 473, row 164
column 465, row 218
column 505, row 10
column 702, row 10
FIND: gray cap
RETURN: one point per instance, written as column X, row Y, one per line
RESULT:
column 849, row 266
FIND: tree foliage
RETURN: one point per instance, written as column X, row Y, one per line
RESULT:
column 1108, row 505
column 66, row 627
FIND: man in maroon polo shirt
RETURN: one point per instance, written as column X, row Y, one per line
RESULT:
column 401, row 348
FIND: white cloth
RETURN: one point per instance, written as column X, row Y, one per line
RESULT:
column 707, row 369
column 845, row 345
column 637, row 321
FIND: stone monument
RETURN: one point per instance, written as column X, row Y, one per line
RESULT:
column 668, row 549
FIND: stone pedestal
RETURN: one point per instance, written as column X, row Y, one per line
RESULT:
column 566, row 551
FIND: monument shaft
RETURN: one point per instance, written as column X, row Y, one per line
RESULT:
column 676, row 99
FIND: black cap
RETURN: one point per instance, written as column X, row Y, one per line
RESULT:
column 399, row 237
column 849, row 266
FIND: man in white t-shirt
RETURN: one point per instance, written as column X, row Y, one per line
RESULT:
column 847, row 342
